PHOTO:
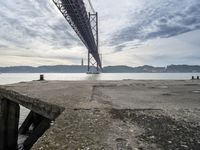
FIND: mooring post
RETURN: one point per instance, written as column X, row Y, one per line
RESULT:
column 41, row 77
column 197, row 77
column 9, row 120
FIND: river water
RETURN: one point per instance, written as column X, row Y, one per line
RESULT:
column 19, row 77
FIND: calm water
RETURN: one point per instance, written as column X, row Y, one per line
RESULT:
column 14, row 78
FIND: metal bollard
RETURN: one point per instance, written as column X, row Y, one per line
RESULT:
column 192, row 77
column 41, row 77
column 197, row 77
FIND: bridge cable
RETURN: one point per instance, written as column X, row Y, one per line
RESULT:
column 91, row 6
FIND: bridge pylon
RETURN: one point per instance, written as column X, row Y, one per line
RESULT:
column 92, row 63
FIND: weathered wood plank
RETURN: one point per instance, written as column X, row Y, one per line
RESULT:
column 9, row 120
column 37, row 133
column 3, row 122
column 26, row 124
column 12, row 125
column 33, row 119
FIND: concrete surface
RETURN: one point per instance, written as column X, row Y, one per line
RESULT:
column 119, row 115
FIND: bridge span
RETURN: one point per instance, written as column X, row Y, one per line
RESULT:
column 85, row 25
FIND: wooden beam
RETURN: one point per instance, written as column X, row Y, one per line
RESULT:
column 24, row 128
column 33, row 119
column 12, row 125
column 37, row 133
column 9, row 120
column 3, row 121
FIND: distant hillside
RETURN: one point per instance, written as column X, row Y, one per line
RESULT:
column 45, row 69
column 107, row 69
column 117, row 69
column 151, row 69
column 183, row 68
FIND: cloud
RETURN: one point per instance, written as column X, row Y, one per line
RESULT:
column 33, row 61
column 24, row 23
column 159, row 19
column 133, row 32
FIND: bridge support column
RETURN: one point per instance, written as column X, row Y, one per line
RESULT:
column 93, row 66
column 9, row 120
column 92, row 63
column 88, row 62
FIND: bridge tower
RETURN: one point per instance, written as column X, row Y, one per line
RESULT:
column 93, row 17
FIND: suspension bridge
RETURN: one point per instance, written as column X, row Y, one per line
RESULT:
column 85, row 24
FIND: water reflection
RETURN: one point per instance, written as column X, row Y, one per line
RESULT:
column 93, row 77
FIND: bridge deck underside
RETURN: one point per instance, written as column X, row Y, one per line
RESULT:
column 75, row 13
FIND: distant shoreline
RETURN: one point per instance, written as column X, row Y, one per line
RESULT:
column 106, row 69
column 102, row 72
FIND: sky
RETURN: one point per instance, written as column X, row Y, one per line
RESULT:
column 132, row 32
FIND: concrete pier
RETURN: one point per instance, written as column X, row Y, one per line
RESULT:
column 109, row 115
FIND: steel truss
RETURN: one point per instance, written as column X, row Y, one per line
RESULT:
column 93, row 17
column 75, row 13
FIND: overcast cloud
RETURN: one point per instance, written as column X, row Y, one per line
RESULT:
column 134, row 32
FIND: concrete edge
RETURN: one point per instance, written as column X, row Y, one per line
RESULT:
column 50, row 111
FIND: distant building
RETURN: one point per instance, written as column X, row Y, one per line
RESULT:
column 82, row 62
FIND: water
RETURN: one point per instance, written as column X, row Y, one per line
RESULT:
column 19, row 77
